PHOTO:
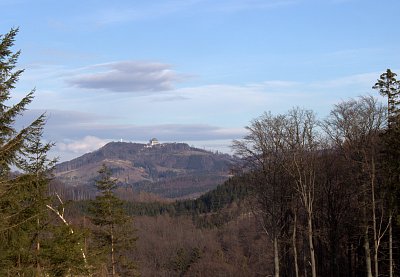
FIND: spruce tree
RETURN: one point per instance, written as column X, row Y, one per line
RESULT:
column 114, row 236
column 22, row 195
column 29, row 239
column 389, row 86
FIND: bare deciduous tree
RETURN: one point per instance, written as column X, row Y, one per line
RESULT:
column 354, row 127
column 303, row 141
column 261, row 150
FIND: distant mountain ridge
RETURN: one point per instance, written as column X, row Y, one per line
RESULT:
column 171, row 170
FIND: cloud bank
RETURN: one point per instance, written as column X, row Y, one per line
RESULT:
column 127, row 76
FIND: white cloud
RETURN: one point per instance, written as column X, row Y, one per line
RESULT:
column 208, row 113
column 275, row 85
column 169, row 132
column 128, row 76
column 61, row 118
column 366, row 79
column 168, row 98
column 202, row 136
column 85, row 145
column 197, row 113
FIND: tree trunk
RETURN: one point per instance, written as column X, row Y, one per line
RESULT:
column 311, row 245
column 61, row 216
column 85, row 238
column 296, row 265
column 350, row 259
column 19, row 264
column 376, row 242
column 38, row 271
column 390, row 247
column 112, row 251
column 304, row 262
column 376, row 260
column 367, row 253
column 276, row 257
column 366, row 240
column 368, row 264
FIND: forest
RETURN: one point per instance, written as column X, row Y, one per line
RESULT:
column 310, row 197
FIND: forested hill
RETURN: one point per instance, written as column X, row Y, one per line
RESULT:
column 215, row 203
column 171, row 170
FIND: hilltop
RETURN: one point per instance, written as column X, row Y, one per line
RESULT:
column 171, row 170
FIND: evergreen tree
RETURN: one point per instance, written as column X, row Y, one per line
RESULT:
column 389, row 86
column 11, row 140
column 114, row 235
column 29, row 239
column 22, row 195
column 37, row 166
column 62, row 252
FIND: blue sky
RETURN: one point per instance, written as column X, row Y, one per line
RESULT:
column 193, row 70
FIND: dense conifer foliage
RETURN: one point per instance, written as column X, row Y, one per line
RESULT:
column 114, row 236
column 36, row 237
column 22, row 196
column 30, row 237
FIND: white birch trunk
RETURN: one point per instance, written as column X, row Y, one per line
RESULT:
column 276, row 258
column 296, row 265
column 367, row 253
column 61, row 216
column 311, row 245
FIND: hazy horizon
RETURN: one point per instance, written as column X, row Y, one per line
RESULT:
column 194, row 71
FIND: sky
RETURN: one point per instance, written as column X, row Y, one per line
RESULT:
column 195, row 71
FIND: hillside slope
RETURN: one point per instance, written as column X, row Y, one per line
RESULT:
column 171, row 170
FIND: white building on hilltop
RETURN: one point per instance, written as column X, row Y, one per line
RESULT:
column 153, row 142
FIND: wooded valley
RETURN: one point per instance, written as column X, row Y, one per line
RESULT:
column 309, row 196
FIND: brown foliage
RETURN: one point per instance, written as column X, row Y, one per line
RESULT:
column 170, row 246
